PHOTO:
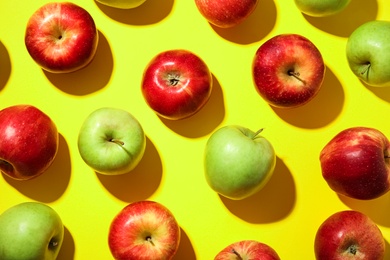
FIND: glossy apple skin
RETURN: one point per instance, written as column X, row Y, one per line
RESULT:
column 238, row 162
column 368, row 53
column 122, row 4
column 321, row 8
column 176, row 84
column 349, row 235
column 111, row 141
column 30, row 230
column 61, row 37
column 28, row 142
column 355, row 163
column 247, row 249
column 288, row 70
column 144, row 230
column 226, row 13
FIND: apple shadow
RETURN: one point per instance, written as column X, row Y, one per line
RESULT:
column 381, row 92
column 205, row 120
column 150, row 12
column 313, row 115
column 141, row 182
column 272, row 203
column 50, row 185
column 186, row 250
column 344, row 23
column 68, row 247
column 259, row 24
column 5, row 66
column 376, row 209
column 89, row 79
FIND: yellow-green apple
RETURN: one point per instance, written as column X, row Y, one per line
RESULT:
column 288, row 70
column 321, row 8
column 176, row 84
column 349, row 235
column 30, row 230
column 122, row 4
column 247, row 249
column 226, row 13
column 111, row 141
column 355, row 163
column 368, row 53
column 28, row 141
column 61, row 37
column 144, row 230
column 238, row 162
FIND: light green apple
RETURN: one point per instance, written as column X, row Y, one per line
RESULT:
column 111, row 141
column 368, row 53
column 321, row 8
column 238, row 162
column 122, row 4
column 30, row 231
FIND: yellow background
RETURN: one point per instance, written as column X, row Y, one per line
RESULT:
column 284, row 215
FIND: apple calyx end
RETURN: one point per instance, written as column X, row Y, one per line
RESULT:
column 239, row 257
column 296, row 75
column 119, row 142
column 173, row 79
column 352, row 249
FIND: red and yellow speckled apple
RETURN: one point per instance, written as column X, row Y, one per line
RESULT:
column 226, row 13
column 61, row 37
column 288, row 70
column 28, row 142
column 349, row 235
column 355, row 163
column 176, row 84
column 247, row 249
column 144, row 230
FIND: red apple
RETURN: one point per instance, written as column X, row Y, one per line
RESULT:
column 247, row 249
column 61, row 37
column 355, row 163
column 176, row 84
column 288, row 70
column 144, row 230
column 349, row 235
column 28, row 142
column 226, row 13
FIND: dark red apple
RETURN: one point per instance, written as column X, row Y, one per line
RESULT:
column 288, row 70
column 349, row 235
column 28, row 142
column 144, row 230
column 226, row 13
column 356, row 163
column 176, row 84
column 247, row 249
column 61, row 37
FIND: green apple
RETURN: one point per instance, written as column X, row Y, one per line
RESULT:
column 122, row 4
column 238, row 162
column 30, row 231
column 111, row 141
column 321, row 8
column 368, row 53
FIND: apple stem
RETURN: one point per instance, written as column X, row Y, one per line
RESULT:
column 366, row 68
column 117, row 141
column 257, row 133
column 237, row 254
column 149, row 239
column 296, row 75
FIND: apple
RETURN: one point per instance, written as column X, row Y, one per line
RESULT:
column 288, row 70
column 28, row 142
column 176, row 84
column 368, row 53
column 321, row 8
column 238, row 162
column 122, row 4
column 348, row 235
column 61, row 37
column 144, row 230
column 355, row 163
column 247, row 249
column 111, row 141
column 30, row 230
column 226, row 13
